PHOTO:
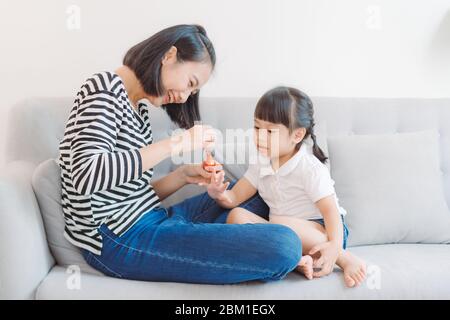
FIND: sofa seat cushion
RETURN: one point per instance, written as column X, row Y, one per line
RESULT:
column 397, row 271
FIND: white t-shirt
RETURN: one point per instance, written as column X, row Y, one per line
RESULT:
column 294, row 188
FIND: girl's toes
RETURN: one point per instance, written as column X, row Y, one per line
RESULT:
column 305, row 266
column 349, row 282
column 364, row 268
column 363, row 275
column 359, row 279
column 309, row 275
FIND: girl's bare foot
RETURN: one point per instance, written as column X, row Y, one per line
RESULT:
column 353, row 267
column 305, row 266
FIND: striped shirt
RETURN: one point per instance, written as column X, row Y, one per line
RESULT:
column 101, row 167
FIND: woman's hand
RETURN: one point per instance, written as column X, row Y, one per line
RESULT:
column 217, row 188
column 329, row 252
column 194, row 173
column 197, row 137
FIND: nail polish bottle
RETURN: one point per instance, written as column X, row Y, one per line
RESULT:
column 208, row 159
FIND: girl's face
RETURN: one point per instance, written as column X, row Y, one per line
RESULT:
column 274, row 140
column 181, row 79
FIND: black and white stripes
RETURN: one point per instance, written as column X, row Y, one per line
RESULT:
column 101, row 167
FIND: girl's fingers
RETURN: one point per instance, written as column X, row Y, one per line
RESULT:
column 326, row 270
column 224, row 187
column 319, row 274
column 319, row 263
column 316, row 249
column 221, row 176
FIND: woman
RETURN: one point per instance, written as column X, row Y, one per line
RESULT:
column 112, row 208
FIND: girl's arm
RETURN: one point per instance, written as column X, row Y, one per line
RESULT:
column 241, row 191
column 330, row 250
column 332, row 218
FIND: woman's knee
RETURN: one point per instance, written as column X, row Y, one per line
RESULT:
column 286, row 250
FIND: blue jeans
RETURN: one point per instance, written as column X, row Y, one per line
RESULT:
column 189, row 242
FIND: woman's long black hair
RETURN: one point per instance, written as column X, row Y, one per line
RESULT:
column 292, row 108
column 145, row 58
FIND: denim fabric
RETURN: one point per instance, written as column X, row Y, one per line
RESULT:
column 189, row 242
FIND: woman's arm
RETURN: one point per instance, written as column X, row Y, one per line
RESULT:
column 154, row 153
column 191, row 173
column 93, row 160
column 199, row 136
column 167, row 185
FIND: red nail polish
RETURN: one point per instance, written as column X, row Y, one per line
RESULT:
column 209, row 161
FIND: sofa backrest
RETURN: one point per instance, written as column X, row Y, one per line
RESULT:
column 36, row 125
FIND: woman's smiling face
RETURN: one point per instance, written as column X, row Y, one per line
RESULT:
column 181, row 79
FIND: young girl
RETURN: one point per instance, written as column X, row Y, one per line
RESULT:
column 295, row 184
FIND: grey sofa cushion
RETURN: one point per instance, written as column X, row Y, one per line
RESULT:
column 394, row 272
column 391, row 187
column 46, row 183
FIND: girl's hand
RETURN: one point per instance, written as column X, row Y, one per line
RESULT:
column 329, row 252
column 216, row 188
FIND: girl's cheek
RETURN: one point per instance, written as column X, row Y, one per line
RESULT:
column 258, row 138
column 274, row 147
column 263, row 138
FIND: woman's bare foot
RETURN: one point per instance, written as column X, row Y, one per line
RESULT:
column 305, row 266
column 353, row 267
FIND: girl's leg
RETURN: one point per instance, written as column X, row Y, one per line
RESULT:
column 242, row 216
column 313, row 233
column 175, row 250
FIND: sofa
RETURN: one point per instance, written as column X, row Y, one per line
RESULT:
column 397, row 203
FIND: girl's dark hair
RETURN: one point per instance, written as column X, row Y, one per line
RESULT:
column 292, row 108
column 144, row 59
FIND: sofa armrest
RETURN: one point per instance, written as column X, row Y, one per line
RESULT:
column 25, row 258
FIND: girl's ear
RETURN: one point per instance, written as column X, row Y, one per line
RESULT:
column 170, row 56
column 299, row 134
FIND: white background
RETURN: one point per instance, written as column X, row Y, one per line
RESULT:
column 359, row 48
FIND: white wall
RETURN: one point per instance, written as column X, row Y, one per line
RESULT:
column 378, row 48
